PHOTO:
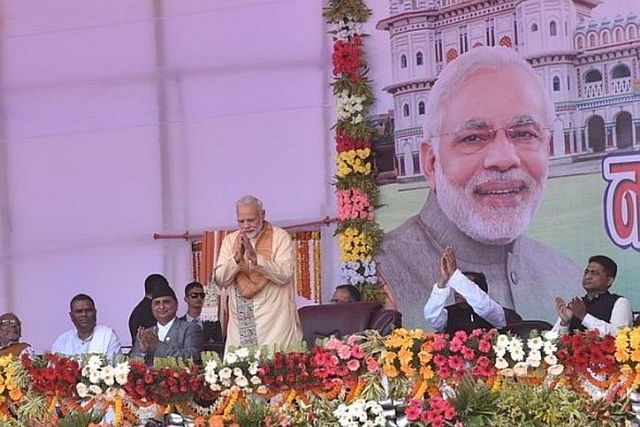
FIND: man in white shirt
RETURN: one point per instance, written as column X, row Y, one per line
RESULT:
column 599, row 309
column 87, row 337
column 473, row 307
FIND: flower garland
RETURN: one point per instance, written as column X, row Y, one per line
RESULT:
column 308, row 273
column 427, row 372
column 356, row 191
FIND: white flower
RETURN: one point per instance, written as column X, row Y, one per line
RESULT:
column 230, row 358
column 242, row 381
column 95, row 389
column 555, row 370
column 549, row 347
column 253, row 368
column 551, row 360
column 533, row 362
column 121, row 372
column 535, row 355
column 520, row 369
column 107, row 374
column 517, row 354
column 211, row 364
column 502, row 341
column 255, row 380
column 501, row 363
column 94, row 377
column 535, row 343
column 82, row 390
column 225, row 373
column 237, row 372
column 210, row 377
column 550, row 335
column 242, row 353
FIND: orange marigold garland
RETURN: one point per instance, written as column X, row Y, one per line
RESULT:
column 317, row 266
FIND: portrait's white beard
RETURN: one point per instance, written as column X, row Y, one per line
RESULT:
column 488, row 223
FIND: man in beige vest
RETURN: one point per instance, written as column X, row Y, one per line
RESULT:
column 258, row 262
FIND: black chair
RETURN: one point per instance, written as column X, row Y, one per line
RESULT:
column 523, row 329
column 325, row 320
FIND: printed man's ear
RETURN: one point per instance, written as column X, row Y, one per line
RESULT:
column 428, row 162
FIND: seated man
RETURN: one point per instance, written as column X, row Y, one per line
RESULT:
column 87, row 337
column 599, row 309
column 170, row 337
column 10, row 333
column 194, row 297
column 473, row 307
column 346, row 293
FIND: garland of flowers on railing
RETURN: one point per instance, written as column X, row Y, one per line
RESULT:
column 424, row 379
column 356, row 191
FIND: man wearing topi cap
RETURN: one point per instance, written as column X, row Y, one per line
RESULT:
column 170, row 337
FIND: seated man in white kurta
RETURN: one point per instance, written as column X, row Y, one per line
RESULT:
column 257, row 262
column 87, row 336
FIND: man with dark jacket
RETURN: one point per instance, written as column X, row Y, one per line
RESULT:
column 473, row 308
column 599, row 309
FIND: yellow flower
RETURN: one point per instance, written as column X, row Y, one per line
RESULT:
column 390, row 371
column 405, row 356
column 426, row 372
column 15, row 394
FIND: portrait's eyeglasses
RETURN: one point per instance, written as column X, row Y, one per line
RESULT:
column 528, row 136
column 9, row 322
column 196, row 294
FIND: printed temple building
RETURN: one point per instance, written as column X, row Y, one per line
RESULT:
column 591, row 69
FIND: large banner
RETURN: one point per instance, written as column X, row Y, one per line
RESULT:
column 577, row 199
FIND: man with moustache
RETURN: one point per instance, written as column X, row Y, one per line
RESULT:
column 87, row 337
column 485, row 158
column 598, row 309
column 257, row 262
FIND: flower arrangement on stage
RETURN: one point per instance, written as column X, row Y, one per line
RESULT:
column 11, row 393
column 534, row 359
column 356, row 192
column 426, row 379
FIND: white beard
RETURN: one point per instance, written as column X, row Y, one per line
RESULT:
column 495, row 225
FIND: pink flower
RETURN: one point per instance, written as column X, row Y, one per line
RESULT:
column 344, row 352
column 353, row 365
column 372, row 365
column 414, row 410
column 333, row 344
column 357, row 351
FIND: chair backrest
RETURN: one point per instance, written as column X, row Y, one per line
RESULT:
column 523, row 329
column 325, row 320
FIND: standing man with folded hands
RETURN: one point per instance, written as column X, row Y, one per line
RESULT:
column 257, row 262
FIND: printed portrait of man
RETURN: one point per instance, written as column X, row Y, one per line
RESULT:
column 485, row 158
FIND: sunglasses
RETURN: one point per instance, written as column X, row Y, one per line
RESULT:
column 196, row 294
column 9, row 322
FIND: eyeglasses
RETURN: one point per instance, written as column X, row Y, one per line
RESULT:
column 528, row 136
column 9, row 322
column 196, row 294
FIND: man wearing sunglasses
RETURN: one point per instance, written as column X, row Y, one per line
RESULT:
column 485, row 158
column 194, row 297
